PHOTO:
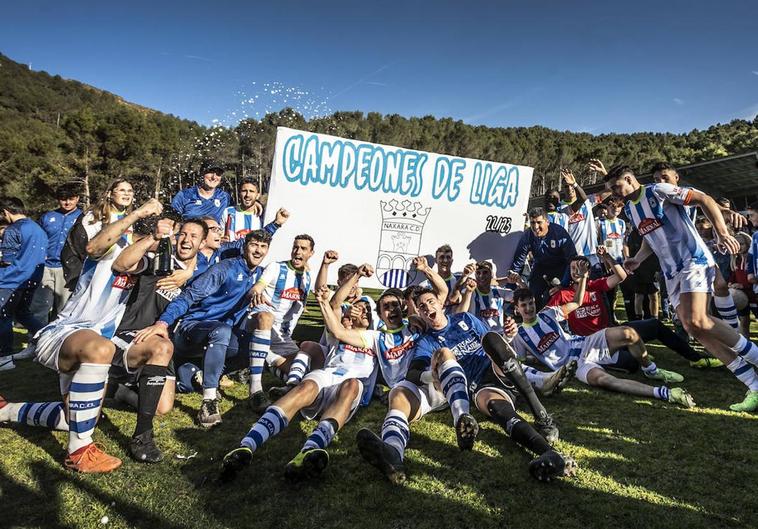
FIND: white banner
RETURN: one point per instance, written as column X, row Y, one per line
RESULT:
column 384, row 205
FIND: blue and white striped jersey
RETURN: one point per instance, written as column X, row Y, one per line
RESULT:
column 394, row 351
column 99, row 299
column 556, row 217
column 661, row 217
column 612, row 236
column 490, row 307
column 357, row 362
column 546, row 340
column 287, row 289
column 581, row 226
column 238, row 223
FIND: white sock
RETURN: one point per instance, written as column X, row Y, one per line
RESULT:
column 727, row 310
column 744, row 373
column 49, row 414
column 395, row 431
column 271, row 423
column 260, row 344
column 746, row 350
column 84, row 400
column 209, row 393
column 661, row 392
column 454, row 387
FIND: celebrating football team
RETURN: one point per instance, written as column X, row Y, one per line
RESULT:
column 136, row 302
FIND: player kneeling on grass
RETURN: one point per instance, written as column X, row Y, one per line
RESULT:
column 332, row 394
column 542, row 335
column 462, row 370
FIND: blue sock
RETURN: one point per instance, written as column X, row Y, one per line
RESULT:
column 271, row 423
column 395, row 431
column 322, row 435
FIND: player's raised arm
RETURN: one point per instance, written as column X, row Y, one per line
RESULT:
column 584, row 272
column 619, row 274
column 330, row 256
column 339, row 297
column 466, row 294
column 438, row 284
column 724, row 240
column 129, row 260
column 107, row 237
column 333, row 323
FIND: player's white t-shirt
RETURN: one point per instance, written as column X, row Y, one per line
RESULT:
column 546, row 339
column 489, row 307
column 612, row 236
column 581, row 226
column 287, row 290
column 237, row 224
column 394, row 351
column 661, row 217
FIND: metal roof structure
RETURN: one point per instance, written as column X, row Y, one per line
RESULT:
column 734, row 177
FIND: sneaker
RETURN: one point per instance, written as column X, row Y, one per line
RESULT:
column 308, row 464
column 381, row 455
column 552, row 465
column 225, row 382
column 27, row 353
column 682, row 397
column 466, row 430
column 547, row 428
column 667, row 377
column 241, row 376
column 142, row 448
column 258, row 402
column 209, row 416
column 6, row 363
column 749, row 404
column 555, row 383
column 707, row 362
column 233, row 462
column 91, row 459
column 278, row 392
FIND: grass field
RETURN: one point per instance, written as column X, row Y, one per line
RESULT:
column 642, row 464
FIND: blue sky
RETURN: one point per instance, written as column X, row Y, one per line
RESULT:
column 583, row 66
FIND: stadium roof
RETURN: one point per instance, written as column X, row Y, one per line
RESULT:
column 734, row 177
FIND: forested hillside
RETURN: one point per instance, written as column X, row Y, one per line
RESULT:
column 54, row 130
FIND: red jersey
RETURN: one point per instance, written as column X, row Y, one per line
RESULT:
column 592, row 316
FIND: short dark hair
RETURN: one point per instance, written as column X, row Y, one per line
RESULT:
column 484, row 264
column 580, row 259
column 615, row 201
column 410, row 291
column 420, row 292
column 537, row 212
column 206, row 218
column 258, row 236
column 249, row 181
column 618, row 171
column 443, row 248
column 12, row 205
column 662, row 166
column 306, row 237
column 67, row 190
column 724, row 202
column 212, row 168
column 522, row 294
column 390, row 292
column 346, row 270
column 199, row 222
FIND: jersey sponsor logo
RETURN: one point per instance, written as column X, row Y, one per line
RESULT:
column 647, row 226
column 577, row 217
column 362, row 350
column 393, row 353
column 124, row 282
column 547, row 341
column 293, row 294
column 588, row 311
column 170, row 295
column 468, row 346
column 486, row 314
column 614, row 236
column 198, row 202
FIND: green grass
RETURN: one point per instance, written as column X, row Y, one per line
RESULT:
column 642, row 464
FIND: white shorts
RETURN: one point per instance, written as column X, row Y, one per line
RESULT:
column 429, row 398
column 692, row 278
column 595, row 353
column 50, row 340
column 328, row 381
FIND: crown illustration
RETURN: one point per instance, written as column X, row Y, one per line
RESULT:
column 404, row 210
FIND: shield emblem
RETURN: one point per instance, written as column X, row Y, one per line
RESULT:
column 400, row 241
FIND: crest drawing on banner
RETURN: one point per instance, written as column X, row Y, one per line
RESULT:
column 400, row 241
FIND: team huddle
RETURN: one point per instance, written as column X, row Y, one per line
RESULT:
column 136, row 324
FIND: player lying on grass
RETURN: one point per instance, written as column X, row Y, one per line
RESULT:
column 541, row 335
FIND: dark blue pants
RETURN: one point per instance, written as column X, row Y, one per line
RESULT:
column 15, row 303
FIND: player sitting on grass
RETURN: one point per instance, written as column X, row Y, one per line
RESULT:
column 332, row 394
